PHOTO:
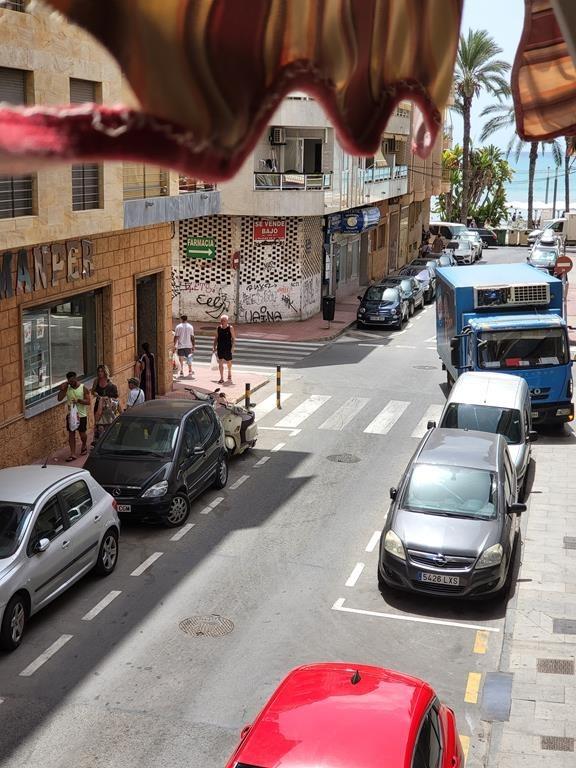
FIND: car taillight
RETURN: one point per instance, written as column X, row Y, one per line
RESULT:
column 115, row 504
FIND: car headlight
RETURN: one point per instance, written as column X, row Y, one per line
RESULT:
column 158, row 489
column 491, row 556
column 361, row 310
column 393, row 544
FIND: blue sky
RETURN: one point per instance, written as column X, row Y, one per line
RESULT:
column 503, row 20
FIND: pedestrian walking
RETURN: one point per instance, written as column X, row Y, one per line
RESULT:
column 98, row 390
column 77, row 400
column 146, row 372
column 108, row 408
column 185, row 344
column 224, row 342
column 135, row 393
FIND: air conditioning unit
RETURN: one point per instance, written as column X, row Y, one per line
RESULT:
column 533, row 294
column 277, row 136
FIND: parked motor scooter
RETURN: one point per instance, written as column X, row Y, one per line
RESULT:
column 240, row 428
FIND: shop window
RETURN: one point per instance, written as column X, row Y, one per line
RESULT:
column 16, row 192
column 86, row 177
column 62, row 337
column 142, row 180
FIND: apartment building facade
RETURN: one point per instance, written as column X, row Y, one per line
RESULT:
column 85, row 250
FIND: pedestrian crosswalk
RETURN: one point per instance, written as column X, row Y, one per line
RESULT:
column 260, row 353
column 352, row 414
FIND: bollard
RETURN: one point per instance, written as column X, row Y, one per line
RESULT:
column 278, row 387
column 247, row 402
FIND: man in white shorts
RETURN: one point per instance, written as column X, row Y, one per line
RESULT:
column 185, row 344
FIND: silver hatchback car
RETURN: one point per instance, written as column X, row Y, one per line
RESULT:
column 56, row 524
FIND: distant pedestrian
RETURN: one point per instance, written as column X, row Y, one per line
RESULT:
column 224, row 342
column 77, row 401
column 108, row 408
column 135, row 393
column 185, row 344
column 438, row 244
column 146, row 370
column 98, row 390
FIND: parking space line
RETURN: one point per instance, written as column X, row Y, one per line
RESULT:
column 473, row 687
column 262, row 461
column 277, row 447
column 339, row 606
column 355, row 575
column 46, row 656
column 373, row 541
column 216, row 501
column 146, row 564
column 465, row 741
column 101, row 605
column 239, row 482
column 206, row 510
column 481, row 642
column 182, row 532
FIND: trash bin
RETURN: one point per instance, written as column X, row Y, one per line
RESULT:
column 328, row 308
column 501, row 235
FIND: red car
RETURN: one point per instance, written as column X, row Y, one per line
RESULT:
column 348, row 716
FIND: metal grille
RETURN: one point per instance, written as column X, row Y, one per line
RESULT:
column 85, row 187
column 82, row 91
column 557, row 743
column 16, row 196
column 555, row 666
column 452, row 562
column 13, row 85
column 144, row 181
column 569, row 542
column 428, row 586
column 13, row 5
column 530, row 294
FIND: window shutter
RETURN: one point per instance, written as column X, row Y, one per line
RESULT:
column 82, row 91
column 13, row 85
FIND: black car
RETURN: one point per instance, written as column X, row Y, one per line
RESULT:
column 487, row 235
column 409, row 289
column 426, row 276
column 156, row 457
column 452, row 524
column 382, row 306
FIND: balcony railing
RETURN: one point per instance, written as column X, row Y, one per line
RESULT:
column 188, row 184
column 289, row 181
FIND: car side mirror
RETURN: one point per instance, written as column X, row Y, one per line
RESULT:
column 532, row 436
column 431, row 425
column 517, row 508
column 197, row 451
column 393, row 493
column 42, row 545
column 244, row 732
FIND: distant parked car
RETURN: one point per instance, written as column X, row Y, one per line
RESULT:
column 382, row 306
column 462, row 250
column 156, row 458
column 447, row 260
column 544, row 256
column 488, row 235
column 56, row 524
column 337, row 714
column 409, row 288
column 426, row 276
column 428, row 262
column 451, row 528
column 474, row 238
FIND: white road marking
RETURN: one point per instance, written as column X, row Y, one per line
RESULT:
column 46, row 656
column 101, row 605
column 344, row 415
column 355, row 575
column 262, row 461
column 277, row 429
column 277, row 447
column 339, row 606
column 295, row 432
column 432, row 338
column 303, row 411
column 182, row 532
column 402, row 346
column 1, row 700
column 370, row 345
column 432, row 413
column 216, row 501
column 269, row 404
column 387, row 417
column 430, row 347
column 373, row 541
column 239, row 482
column 206, row 510
column 146, row 564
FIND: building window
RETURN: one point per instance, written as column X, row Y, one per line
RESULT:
column 13, row 5
column 59, row 338
column 86, row 177
column 144, row 181
column 16, row 192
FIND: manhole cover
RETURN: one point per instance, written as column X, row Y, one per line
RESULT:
column 343, row 458
column 555, row 666
column 207, row 626
column 424, row 367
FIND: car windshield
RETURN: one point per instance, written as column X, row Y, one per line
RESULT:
column 484, row 418
column 381, row 293
column 13, row 519
column 544, row 255
column 140, row 437
column 529, row 348
column 457, row 491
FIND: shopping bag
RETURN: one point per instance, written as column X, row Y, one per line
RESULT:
column 73, row 418
column 214, row 362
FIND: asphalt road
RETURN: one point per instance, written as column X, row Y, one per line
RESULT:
column 288, row 556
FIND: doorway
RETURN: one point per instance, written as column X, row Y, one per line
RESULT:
column 147, row 315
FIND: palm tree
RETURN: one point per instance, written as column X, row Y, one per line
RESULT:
column 476, row 69
column 504, row 117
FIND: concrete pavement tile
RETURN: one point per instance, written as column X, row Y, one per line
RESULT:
column 554, row 693
column 538, row 726
column 523, row 708
column 570, row 691
column 552, row 586
column 522, row 661
column 549, row 710
column 520, row 743
column 544, row 760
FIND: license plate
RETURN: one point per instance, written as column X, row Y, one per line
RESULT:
column 440, row 578
column 375, row 317
column 534, row 414
column 124, row 508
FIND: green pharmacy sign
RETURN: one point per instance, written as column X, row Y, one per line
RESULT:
column 200, row 248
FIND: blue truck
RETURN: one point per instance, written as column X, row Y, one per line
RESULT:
column 507, row 318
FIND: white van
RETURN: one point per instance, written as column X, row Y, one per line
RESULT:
column 448, row 229
column 497, row 403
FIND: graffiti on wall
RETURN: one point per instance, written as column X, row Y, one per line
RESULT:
column 214, row 304
column 262, row 315
column 310, row 296
column 269, row 302
column 205, row 301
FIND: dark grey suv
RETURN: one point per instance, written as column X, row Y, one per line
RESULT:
column 453, row 520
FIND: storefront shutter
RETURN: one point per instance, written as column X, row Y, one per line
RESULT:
column 82, row 91
column 13, row 85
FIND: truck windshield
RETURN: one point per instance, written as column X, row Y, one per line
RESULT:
column 523, row 348
column 484, row 418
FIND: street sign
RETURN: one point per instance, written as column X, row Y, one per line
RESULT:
column 563, row 265
column 200, row 248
